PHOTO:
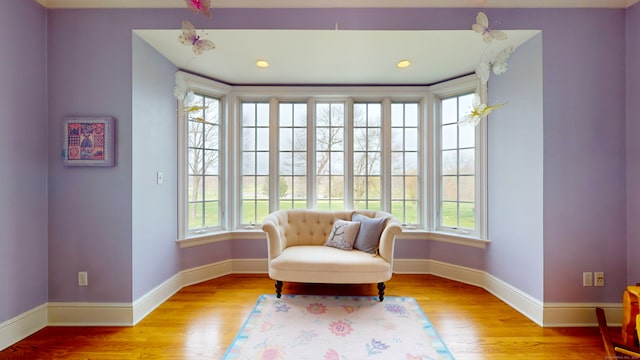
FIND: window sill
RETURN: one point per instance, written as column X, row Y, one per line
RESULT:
column 211, row 238
column 258, row 234
column 419, row 234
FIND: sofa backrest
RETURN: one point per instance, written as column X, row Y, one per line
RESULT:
column 312, row 227
column 308, row 227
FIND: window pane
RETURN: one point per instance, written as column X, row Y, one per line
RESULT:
column 211, row 213
column 286, row 139
column 248, row 139
column 212, row 167
column 262, row 139
column 195, row 216
column 449, row 137
column 404, row 162
column 467, row 215
column 450, row 188
column 194, row 188
column 248, row 163
column 457, row 168
column 196, row 165
column 330, row 155
column 360, row 139
column 255, row 162
column 449, row 110
column 467, row 188
column 262, row 116
column 411, row 139
column 300, row 139
column 449, row 214
column 467, row 136
column 262, row 163
column 467, row 162
column 449, row 162
column 203, row 164
column 211, row 188
column 286, row 115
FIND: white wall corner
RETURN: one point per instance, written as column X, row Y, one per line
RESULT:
column 524, row 303
column 154, row 298
column 23, row 325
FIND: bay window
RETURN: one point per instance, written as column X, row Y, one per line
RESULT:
column 395, row 149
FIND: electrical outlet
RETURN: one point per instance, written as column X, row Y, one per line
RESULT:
column 587, row 278
column 83, row 279
column 599, row 278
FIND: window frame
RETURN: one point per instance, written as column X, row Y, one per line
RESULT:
column 439, row 92
column 427, row 98
column 215, row 90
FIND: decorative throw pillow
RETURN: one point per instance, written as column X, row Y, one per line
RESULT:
column 368, row 237
column 343, row 234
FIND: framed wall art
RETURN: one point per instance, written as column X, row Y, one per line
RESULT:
column 89, row 141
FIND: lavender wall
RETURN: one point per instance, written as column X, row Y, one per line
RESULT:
column 90, row 211
column 584, row 153
column 633, row 144
column 154, row 128
column 515, row 157
column 583, row 147
column 23, row 159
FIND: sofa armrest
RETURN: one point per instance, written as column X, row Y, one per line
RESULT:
column 275, row 241
column 388, row 238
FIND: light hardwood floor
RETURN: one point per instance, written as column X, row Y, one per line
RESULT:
column 201, row 320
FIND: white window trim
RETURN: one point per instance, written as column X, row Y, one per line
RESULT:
column 217, row 90
column 233, row 96
column 444, row 90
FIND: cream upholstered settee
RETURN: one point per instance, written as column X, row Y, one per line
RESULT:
column 296, row 250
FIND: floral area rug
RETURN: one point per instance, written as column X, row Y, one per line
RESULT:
column 337, row 328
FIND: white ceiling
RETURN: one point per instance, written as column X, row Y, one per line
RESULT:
column 331, row 57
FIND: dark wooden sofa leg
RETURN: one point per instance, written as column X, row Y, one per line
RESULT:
column 381, row 287
column 278, row 289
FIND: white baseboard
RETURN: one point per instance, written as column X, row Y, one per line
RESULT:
column 543, row 314
column 151, row 300
column 90, row 314
column 129, row 314
column 23, row 325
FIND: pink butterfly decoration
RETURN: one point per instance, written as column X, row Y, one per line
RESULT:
column 199, row 6
column 189, row 37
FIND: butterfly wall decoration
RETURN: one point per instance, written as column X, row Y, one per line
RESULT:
column 488, row 63
column 478, row 112
column 482, row 27
column 199, row 6
column 189, row 37
column 498, row 65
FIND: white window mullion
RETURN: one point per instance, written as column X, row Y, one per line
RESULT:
column 385, row 170
column 348, row 154
column 429, row 162
column 274, row 158
column 311, row 154
column 183, row 161
column 481, row 173
column 234, row 160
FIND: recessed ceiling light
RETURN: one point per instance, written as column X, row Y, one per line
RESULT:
column 403, row 64
column 262, row 64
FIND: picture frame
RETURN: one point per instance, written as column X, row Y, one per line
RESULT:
column 89, row 141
